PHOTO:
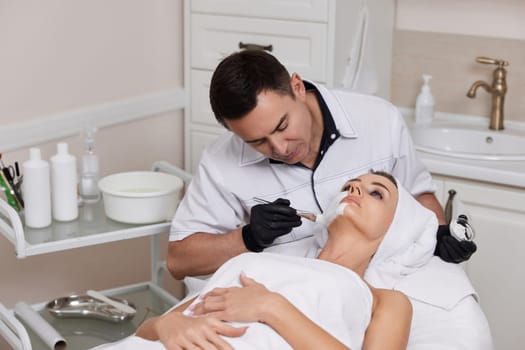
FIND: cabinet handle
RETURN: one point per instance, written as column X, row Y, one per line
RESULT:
column 448, row 205
column 249, row 46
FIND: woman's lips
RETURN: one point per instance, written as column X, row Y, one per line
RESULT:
column 351, row 199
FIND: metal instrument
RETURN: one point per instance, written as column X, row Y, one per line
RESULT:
column 302, row 213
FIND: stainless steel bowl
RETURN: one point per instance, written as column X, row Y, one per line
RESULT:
column 83, row 306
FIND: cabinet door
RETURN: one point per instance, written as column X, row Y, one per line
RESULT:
column 496, row 269
column 201, row 112
column 308, row 10
column 301, row 47
column 198, row 141
column 439, row 184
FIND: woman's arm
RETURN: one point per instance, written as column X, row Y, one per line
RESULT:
column 391, row 319
column 177, row 331
column 254, row 303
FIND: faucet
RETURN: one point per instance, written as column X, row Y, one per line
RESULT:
column 498, row 89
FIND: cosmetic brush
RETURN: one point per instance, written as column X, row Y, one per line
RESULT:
column 302, row 213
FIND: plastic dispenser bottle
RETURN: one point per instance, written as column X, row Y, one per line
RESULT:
column 88, row 186
column 37, row 190
column 64, row 184
column 425, row 103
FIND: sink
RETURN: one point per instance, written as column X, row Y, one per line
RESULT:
column 470, row 142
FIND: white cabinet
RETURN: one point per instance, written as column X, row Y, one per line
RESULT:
column 311, row 37
column 496, row 269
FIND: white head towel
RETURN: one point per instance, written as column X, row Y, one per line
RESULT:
column 408, row 244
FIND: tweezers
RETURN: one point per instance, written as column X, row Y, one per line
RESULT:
column 302, row 213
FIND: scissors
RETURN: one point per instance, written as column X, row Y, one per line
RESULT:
column 12, row 172
column 13, row 179
column 302, row 213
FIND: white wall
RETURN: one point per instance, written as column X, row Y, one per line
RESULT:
column 58, row 55
column 443, row 38
column 491, row 18
column 61, row 56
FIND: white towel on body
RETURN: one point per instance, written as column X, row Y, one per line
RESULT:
column 333, row 297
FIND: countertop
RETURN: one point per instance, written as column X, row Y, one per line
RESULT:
column 510, row 173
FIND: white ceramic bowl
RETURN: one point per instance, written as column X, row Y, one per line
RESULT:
column 140, row 197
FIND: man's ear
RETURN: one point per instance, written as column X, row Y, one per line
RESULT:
column 297, row 85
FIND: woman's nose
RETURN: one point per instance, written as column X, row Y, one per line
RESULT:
column 355, row 189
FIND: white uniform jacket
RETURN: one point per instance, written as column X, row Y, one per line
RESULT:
column 373, row 135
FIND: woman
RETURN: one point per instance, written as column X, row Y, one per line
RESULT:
column 305, row 303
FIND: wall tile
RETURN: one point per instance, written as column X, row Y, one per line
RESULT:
column 450, row 59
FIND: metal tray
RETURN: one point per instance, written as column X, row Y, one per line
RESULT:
column 84, row 306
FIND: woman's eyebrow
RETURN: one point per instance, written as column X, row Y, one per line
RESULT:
column 380, row 185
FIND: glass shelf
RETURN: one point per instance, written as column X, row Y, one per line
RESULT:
column 91, row 227
column 85, row 333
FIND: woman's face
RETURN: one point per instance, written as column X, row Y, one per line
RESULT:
column 370, row 205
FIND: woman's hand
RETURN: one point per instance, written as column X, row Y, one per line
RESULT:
column 177, row 332
column 238, row 304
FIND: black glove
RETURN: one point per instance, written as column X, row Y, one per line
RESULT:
column 267, row 222
column 450, row 249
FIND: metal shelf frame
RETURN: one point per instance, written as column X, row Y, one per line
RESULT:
column 104, row 231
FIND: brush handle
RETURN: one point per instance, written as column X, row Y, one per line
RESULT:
column 117, row 305
column 302, row 213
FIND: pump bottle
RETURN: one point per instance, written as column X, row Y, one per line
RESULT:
column 88, row 186
column 64, row 184
column 425, row 103
column 37, row 191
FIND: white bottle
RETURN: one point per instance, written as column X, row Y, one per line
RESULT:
column 425, row 103
column 88, row 186
column 64, row 184
column 37, row 190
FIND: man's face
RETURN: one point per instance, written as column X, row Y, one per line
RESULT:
column 280, row 127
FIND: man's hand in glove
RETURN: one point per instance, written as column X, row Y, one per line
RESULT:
column 267, row 222
column 450, row 249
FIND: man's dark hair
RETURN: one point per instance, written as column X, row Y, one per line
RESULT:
column 240, row 77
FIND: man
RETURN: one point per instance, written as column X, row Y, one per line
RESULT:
column 289, row 139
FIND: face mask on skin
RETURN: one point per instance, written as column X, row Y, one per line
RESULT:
column 333, row 210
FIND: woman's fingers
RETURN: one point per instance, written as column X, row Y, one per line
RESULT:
column 246, row 281
column 215, row 339
column 208, row 305
column 211, row 339
column 181, row 344
column 218, row 291
column 230, row 331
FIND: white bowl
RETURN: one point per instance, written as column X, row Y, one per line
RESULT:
column 140, row 197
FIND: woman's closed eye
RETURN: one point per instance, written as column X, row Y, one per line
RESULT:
column 377, row 194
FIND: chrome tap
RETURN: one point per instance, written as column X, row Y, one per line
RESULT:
column 498, row 89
